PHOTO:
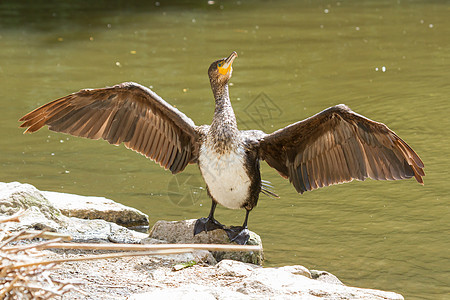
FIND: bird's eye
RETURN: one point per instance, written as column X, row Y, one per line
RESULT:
column 220, row 64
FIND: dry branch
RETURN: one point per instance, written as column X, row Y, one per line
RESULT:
column 103, row 256
column 136, row 247
column 32, row 282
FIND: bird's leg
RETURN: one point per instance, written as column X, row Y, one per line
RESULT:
column 239, row 234
column 209, row 223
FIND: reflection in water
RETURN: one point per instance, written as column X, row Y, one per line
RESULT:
column 305, row 57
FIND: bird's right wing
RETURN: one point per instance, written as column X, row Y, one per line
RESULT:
column 128, row 113
column 338, row 145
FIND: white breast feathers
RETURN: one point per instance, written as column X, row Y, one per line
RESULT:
column 225, row 175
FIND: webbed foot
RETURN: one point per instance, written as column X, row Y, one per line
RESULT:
column 238, row 234
column 206, row 224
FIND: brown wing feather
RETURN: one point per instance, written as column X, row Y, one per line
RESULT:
column 125, row 113
column 335, row 146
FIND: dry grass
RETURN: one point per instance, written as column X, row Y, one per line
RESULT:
column 22, row 276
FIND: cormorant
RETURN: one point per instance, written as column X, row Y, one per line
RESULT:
column 334, row 146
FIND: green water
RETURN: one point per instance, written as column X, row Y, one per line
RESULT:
column 388, row 60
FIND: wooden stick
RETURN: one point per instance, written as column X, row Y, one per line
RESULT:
column 139, row 247
column 30, row 246
column 31, row 234
column 4, row 291
column 100, row 256
column 14, row 217
column 11, row 238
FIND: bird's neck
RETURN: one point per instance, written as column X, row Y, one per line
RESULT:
column 223, row 127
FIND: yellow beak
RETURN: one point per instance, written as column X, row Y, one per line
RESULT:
column 227, row 64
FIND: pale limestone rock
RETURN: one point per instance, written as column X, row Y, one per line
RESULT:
column 99, row 231
column 34, row 218
column 297, row 270
column 88, row 207
column 324, row 276
column 233, row 268
column 192, row 292
column 41, row 214
column 174, row 293
column 284, row 283
column 237, row 280
column 182, row 232
column 197, row 256
column 15, row 195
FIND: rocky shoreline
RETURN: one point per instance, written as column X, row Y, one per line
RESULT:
column 197, row 275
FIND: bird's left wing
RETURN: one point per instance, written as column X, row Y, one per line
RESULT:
column 338, row 145
column 128, row 113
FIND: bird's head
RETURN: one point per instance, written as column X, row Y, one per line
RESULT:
column 220, row 71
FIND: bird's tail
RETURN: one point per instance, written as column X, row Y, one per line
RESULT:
column 267, row 189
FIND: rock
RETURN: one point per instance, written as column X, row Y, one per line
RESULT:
column 174, row 293
column 192, row 292
column 15, row 195
column 233, row 268
column 87, row 207
column 324, row 276
column 281, row 282
column 236, row 280
column 298, row 270
column 197, row 256
column 42, row 215
column 34, row 218
column 99, row 231
column 181, row 232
